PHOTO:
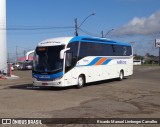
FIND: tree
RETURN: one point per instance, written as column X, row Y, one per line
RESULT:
column 138, row 57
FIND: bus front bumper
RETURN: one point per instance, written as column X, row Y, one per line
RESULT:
column 57, row 83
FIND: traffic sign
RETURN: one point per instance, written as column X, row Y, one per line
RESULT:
column 157, row 43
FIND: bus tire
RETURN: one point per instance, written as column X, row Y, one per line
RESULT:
column 121, row 75
column 81, row 81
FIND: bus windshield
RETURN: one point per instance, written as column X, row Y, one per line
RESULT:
column 47, row 59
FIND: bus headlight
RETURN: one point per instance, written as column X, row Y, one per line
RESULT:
column 34, row 79
column 57, row 78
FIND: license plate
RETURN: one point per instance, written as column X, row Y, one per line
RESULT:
column 44, row 84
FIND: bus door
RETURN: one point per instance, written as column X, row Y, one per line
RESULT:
column 68, row 67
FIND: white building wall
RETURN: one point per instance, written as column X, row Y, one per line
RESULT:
column 3, row 48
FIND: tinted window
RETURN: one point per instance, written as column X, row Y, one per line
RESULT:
column 95, row 49
column 47, row 59
column 121, row 50
column 100, row 49
column 73, row 48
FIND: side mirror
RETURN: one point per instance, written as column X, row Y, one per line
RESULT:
column 28, row 53
column 62, row 53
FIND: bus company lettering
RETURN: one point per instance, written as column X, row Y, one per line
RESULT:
column 44, row 76
column 57, row 42
column 86, row 61
column 121, row 62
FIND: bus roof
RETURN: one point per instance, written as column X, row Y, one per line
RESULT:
column 97, row 40
column 66, row 40
column 55, row 41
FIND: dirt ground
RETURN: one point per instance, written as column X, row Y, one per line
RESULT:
column 137, row 96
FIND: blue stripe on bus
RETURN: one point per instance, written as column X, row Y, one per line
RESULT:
column 94, row 61
column 106, row 62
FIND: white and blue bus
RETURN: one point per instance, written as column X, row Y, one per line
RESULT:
column 67, row 61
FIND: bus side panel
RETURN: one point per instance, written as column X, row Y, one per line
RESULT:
column 71, row 77
column 95, row 72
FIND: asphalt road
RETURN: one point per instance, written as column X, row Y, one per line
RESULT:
column 137, row 96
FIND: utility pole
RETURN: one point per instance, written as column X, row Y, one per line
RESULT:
column 24, row 52
column 159, row 56
column 16, row 54
column 76, row 27
column 102, row 34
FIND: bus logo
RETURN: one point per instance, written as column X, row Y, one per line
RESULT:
column 44, row 76
column 121, row 62
column 6, row 121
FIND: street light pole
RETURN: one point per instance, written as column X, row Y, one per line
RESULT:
column 108, row 32
column 76, row 23
column 132, row 42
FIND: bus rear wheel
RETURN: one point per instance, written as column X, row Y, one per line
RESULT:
column 81, row 81
column 121, row 75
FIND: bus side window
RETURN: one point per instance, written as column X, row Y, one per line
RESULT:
column 124, row 50
column 129, row 50
column 113, row 49
column 73, row 48
column 68, row 59
column 71, row 56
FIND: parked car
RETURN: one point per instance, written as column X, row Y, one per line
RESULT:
column 29, row 67
column 16, row 66
column 26, row 65
column 22, row 67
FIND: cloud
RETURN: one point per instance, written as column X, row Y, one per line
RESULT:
column 141, row 26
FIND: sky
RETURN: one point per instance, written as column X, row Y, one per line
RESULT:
column 31, row 21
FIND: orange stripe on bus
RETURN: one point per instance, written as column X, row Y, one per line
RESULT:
column 101, row 61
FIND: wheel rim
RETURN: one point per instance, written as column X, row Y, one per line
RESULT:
column 80, row 81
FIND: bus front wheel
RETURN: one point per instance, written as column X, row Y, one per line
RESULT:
column 81, row 81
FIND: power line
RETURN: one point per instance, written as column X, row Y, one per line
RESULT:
column 37, row 28
column 88, row 33
column 42, row 32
